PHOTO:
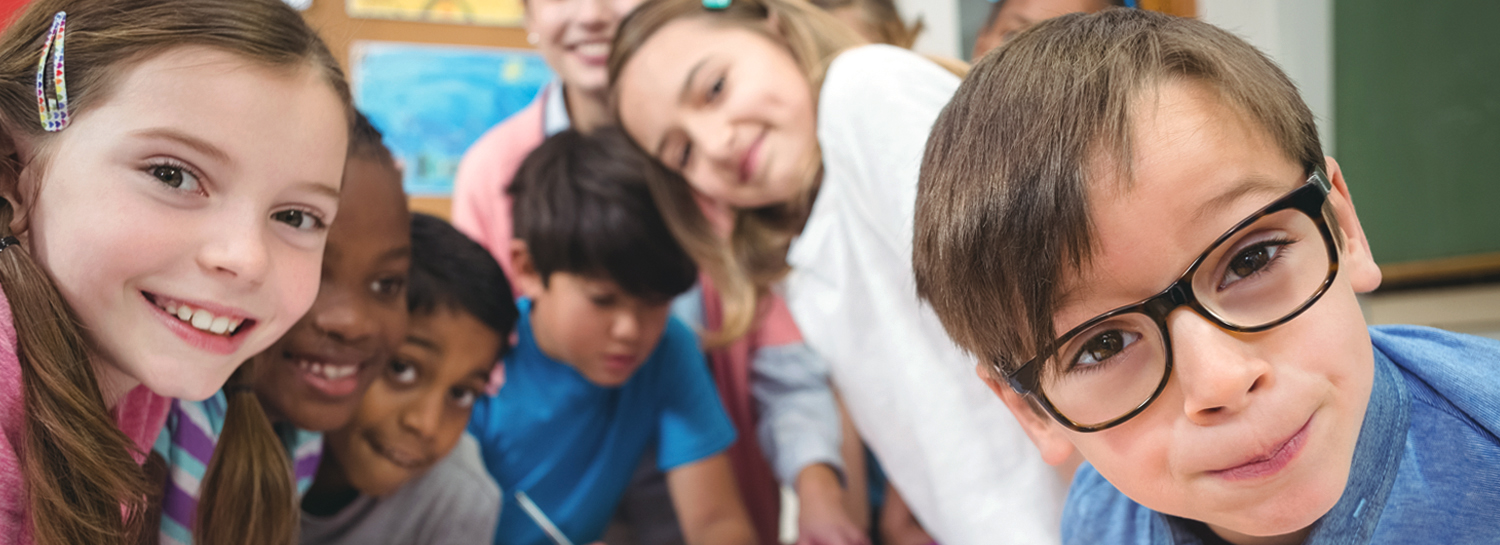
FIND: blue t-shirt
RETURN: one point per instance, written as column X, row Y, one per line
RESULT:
column 1426, row 466
column 572, row 446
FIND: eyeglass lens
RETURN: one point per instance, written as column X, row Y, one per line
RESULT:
column 1262, row 273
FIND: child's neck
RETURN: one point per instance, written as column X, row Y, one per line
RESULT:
column 330, row 491
column 587, row 111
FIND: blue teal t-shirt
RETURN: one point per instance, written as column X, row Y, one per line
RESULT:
column 572, row 446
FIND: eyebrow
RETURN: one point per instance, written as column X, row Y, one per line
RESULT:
column 395, row 253
column 322, row 189
column 428, row 344
column 197, row 144
column 1252, row 185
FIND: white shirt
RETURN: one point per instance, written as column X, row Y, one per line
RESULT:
column 958, row 457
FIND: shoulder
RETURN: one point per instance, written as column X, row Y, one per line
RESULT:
column 503, row 146
column 462, row 478
column 866, row 76
column 678, row 346
column 1459, row 370
column 1096, row 512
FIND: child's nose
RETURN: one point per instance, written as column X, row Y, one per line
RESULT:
column 341, row 315
column 626, row 327
column 1216, row 374
column 236, row 250
column 423, row 415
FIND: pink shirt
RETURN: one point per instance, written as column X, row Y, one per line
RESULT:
column 140, row 415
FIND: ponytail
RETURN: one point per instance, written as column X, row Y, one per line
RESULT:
column 248, row 494
column 78, row 468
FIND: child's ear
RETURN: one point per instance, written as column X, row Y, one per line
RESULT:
column 1046, row 434
column 15, row 179
column 527, row 279
column 1357, row 261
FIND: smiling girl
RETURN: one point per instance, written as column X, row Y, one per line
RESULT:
column 771, row 109
column 154, row 238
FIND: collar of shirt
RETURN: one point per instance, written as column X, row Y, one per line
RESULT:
column 554, row 109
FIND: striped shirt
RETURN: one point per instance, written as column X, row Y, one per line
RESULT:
column 187, row 444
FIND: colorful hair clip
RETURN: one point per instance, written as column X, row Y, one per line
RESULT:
column 53, row 112
column 716, row 4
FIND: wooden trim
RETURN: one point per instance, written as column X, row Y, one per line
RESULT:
column 438, row 206
column 1411, row 274
column 1180, row 8
column 341, row 31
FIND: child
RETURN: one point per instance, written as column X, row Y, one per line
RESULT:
column 600, row 372
column 164, row 221
column 774, row 388
column 813, row 142
column 312, row 379
column 404, row 471
column 1088, row 164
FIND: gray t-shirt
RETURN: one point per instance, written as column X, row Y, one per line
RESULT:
column 455, row 502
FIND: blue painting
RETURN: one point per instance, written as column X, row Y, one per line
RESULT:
column 432, row 102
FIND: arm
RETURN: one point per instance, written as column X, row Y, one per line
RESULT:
column 708, row 503
column 799, row 432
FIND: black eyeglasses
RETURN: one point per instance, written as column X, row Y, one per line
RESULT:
column 1260, row 274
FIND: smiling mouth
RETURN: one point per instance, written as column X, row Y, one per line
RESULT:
column 1271, row 462
column 396, row 457
column 200, row 319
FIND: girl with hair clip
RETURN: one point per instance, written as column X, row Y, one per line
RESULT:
column 773, row 109
column 775, row 389
column 153, row 239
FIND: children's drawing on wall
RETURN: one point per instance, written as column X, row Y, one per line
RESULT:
column 433, row 102
column 473, row 12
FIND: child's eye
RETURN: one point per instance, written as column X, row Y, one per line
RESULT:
column 714, row 90
column 175, row 176
column 388, row 286
column 1256, row 259
column 685, row 155
column 1102, row 347
column 402, row 372
column 301, row 220
column 607, row 300
column 464, row 397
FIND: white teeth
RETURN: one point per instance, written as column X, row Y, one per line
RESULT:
column 202, row 319
column 328, row 371
column 593, row 49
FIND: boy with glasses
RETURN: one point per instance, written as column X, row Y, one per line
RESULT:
column 1128, row 219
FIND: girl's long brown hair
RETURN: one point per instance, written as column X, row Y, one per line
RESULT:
column 755, row 256
column 79, row 471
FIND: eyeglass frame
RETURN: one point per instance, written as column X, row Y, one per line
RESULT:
column 1309, row 199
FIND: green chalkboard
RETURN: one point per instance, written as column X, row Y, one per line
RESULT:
column 1417, row 125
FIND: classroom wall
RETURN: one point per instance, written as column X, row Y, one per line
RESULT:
column 1298, row 34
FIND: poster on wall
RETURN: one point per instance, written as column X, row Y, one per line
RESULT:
column 432, row 102
column 472, row 12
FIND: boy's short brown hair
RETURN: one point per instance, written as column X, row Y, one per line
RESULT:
column 1001, row 205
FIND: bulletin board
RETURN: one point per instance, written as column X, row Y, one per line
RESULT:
column 342, row 32
column 1417, row 96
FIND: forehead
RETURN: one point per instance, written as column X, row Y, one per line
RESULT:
column 465, row 345
column 244, row 108
column 372, row 207
column 1197, row 168
column 651, row 85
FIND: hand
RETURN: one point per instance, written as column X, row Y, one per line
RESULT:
column 821, row 519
